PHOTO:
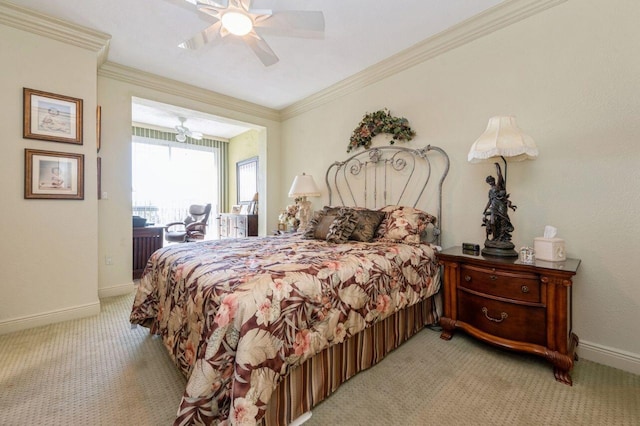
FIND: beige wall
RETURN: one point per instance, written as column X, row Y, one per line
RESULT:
column 241, row 147
column 49, row 247
column 571, row 76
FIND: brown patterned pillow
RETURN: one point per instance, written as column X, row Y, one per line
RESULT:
column 318, row 227
column 343, row 226
column 403, row 224
column 368, row 222
column 333, row 209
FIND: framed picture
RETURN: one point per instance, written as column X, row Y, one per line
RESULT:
column 98, row 128
column 52, row 117
column 236, row 209
column 244, row 209
column 56, row 175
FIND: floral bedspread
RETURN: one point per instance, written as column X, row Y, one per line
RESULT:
column 235, row 315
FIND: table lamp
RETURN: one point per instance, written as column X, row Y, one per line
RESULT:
column 502, row 139
column 304, row 186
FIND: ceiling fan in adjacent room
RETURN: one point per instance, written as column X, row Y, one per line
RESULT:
column 236, row 17
column 184, row 131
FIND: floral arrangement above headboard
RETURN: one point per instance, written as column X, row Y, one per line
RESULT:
column 380, row 122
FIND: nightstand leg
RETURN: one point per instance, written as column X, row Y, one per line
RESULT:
column 562, row 376
column 562, row 364
column 448, row 325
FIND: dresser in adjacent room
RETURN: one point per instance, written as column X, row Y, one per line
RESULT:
column 231, row 225
column 513, row 305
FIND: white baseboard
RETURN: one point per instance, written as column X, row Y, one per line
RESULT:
column 615, row 358
column 46, row 318
column 116, row 290
column 302, row 419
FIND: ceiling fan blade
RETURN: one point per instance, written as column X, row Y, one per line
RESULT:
column 260, row 48
column 241, row 4
column 196, row 135
column 293, row 23
column 197, row 41
column 213, row 3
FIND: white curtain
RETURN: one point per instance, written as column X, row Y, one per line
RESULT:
column 168, row 177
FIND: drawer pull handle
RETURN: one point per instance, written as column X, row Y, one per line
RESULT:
column 524, row 289
column 493, row 277
column 503, row 315
column 467, row 278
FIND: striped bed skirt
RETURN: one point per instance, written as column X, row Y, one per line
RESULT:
column 318, row 377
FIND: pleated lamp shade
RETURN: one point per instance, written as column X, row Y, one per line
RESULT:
column 304, row 186
column 503, row 138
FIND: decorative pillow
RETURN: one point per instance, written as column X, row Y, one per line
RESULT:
column 318, row 227
column 403, row 224
column 368, row 223
column 334, row 210
column 343, row 226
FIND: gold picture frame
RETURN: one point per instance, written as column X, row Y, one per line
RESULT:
column 52, row 117
column 53, row 175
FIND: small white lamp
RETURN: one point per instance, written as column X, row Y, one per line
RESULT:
column 304, row 186
column 502, row 138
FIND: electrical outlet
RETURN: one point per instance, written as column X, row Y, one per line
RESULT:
column 108, row 260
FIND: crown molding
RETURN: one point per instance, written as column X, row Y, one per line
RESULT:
column 166, row 85
column 499, row 16
column 38, row 23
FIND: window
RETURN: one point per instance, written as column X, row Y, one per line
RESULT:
column 168, row 177
column 247, row 179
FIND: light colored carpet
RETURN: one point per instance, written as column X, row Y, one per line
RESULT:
column 98, row 371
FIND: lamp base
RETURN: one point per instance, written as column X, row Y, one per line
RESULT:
column 499, row 252
column 499, row 249
column 304, row 213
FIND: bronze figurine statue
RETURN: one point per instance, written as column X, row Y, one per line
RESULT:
column 496, row 218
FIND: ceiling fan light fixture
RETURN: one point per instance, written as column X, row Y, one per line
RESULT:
column 180, row 137
column 237, row 23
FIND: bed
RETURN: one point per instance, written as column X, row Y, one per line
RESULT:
column 265, row 328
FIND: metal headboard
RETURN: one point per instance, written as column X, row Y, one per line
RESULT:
column 391, row 175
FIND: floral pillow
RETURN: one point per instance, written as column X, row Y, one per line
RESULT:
column 403, row 224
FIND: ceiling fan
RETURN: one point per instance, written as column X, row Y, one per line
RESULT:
column 236, row 17
column 184, row 131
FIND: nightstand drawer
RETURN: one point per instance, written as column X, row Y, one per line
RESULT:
column 507, row 320
column 516, row 286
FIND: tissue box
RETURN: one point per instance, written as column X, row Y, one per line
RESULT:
column 551, row 249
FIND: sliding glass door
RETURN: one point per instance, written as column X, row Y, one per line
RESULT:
column 168, row 177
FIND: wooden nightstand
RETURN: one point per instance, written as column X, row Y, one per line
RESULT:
column 512, row 305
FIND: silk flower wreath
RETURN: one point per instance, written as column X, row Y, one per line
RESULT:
column 380, row 122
